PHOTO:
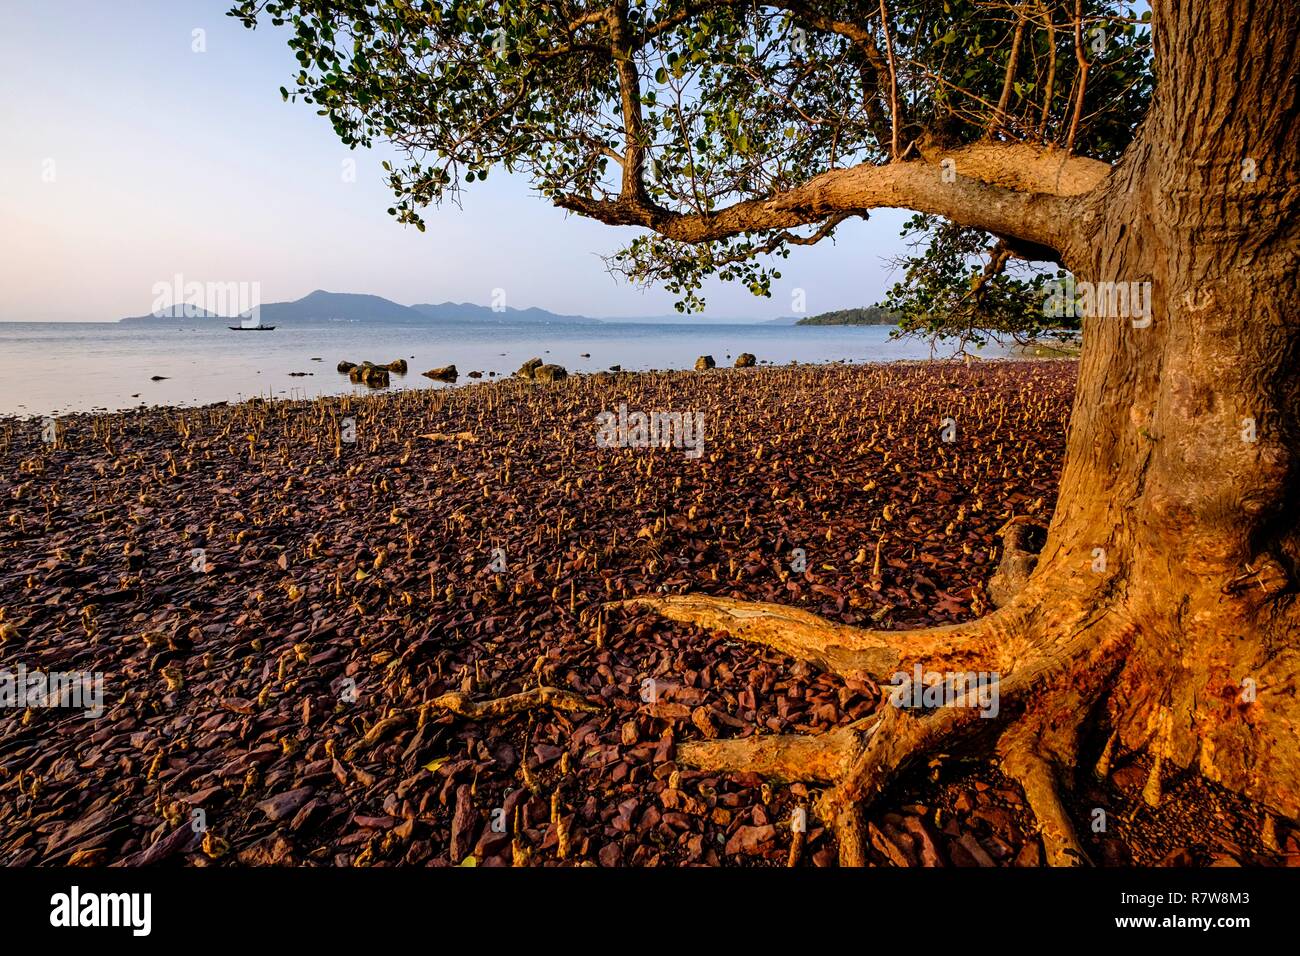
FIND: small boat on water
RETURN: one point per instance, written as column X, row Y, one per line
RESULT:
column 251, row 328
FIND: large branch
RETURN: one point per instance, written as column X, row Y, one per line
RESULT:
column 1020, row 166
column 1010, row 189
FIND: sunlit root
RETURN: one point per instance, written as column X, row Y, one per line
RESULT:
column 527, row 700
column 819, row 758
column 839, row 648
column 1048, row 666
column 1037, row 777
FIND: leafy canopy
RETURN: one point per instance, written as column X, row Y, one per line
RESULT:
column 690, row 106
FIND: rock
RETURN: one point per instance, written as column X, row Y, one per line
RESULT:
column 610, row 855
column 750, row 840
column 1179, row 857
column 925, row 845
column 398, row 366
column 275, row 850
column 285, row 804
column 374, row 376
column 464, row 824
column 896, row 854
column 528, row 369
column 976, row 852
column 368, row 373
column 158, row 378
column 476, row 374
column 704, row 362
column 746, row 360
column 447, row 373
column 616, row 368
column 702, row 719
column 1029, row 854
column 549, row 373
column 180, row 838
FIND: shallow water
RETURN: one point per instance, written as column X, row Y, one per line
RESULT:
column 58, row 368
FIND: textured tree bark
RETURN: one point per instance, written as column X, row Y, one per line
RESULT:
column 1182, row 459
column 1166, row 589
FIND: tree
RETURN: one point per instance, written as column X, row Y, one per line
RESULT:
column 1162, row 608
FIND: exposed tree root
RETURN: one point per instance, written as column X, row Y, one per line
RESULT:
column 527, row 700
column 1037, row 777
column 839, row 648
column 1049, row 667
column 789, row 758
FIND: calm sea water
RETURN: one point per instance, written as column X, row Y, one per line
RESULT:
column 58, row 368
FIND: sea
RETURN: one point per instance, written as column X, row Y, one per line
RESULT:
column 61, row 368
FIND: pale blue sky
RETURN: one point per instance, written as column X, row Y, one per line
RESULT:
column 167, row 161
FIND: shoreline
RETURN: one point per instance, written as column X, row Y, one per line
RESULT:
column 465, row 382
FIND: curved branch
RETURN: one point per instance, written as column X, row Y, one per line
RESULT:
column 1010, row 189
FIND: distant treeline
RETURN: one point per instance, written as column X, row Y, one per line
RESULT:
column 871, row 315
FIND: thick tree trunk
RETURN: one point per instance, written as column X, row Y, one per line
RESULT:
column 1182, row 459
column 1167, row 587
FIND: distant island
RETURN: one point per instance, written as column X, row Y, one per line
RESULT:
column 870, row 315
column 322, row 306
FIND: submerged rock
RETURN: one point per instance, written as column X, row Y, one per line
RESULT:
column 398, row 366
column 367, row 373
column 346, row 367
column 375, row 377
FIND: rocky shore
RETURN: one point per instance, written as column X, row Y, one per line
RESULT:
column 297, row 608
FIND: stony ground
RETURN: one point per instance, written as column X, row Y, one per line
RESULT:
column 273, row 609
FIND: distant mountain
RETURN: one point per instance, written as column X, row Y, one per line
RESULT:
column 322, row 306
column 469, row 312
column 871, row 315
column 178, row 311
